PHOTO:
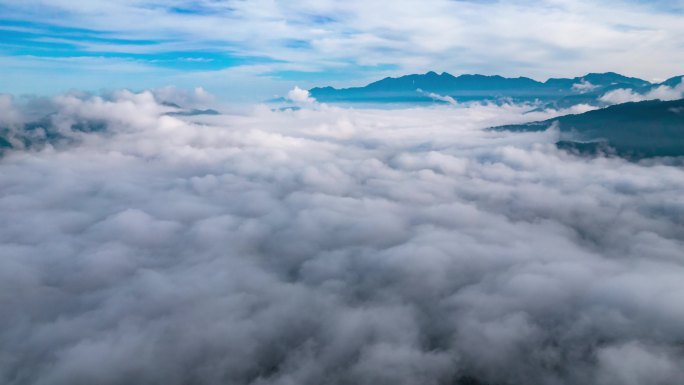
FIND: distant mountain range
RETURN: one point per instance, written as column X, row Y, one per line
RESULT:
column 445, row 87
column 631, row 130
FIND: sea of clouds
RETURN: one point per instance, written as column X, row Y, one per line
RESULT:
column 331, row 245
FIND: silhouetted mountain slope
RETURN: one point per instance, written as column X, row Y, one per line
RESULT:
column 409, row 87
column 598, row 80
column 672, row 82
column 634, row 130
column 447, row 82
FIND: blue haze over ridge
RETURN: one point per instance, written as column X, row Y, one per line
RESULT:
column 558, row 92
column 634, row 130
column 651, row 128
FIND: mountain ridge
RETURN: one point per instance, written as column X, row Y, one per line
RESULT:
column 633, row 130
column 557, row 92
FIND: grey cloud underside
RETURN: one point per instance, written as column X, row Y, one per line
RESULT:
column 334, row 246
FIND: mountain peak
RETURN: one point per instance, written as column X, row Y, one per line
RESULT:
column 610, row 78
column 673, row 81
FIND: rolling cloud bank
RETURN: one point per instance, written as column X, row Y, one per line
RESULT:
column 329, row 246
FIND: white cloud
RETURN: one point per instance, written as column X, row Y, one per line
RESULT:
column 10, row 113
column 443, row 98
column 667, row 93
column 622, row 95
column 333, row 246
column 661, row 92
column 299, row 95
column 583, row 86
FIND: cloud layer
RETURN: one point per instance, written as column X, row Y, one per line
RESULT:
column 663, row 92
column 335, row 246
column 228, row 44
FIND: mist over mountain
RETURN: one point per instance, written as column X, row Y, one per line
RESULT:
column 635, row 130
column 553, row 93
column 38, row 124
column 636, row 119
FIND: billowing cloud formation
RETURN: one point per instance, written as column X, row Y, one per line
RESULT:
column 301, row 96
column 662, row 92
column 334, row 246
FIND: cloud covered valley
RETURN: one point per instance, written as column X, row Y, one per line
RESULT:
column 331, row 245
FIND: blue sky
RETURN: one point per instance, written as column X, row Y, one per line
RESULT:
column 251, row 50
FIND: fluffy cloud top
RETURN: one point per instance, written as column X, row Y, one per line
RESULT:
column 662, row 92
column 301, row 96
column 334, row 246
